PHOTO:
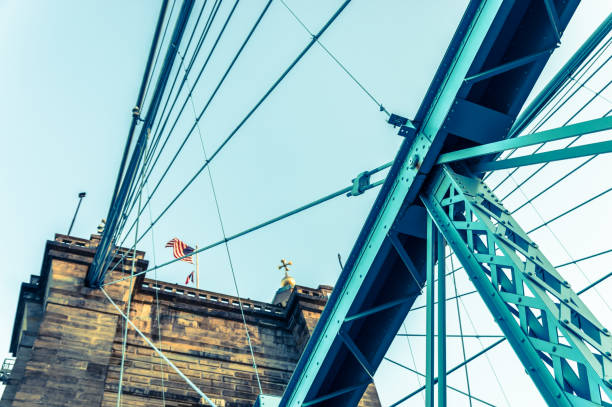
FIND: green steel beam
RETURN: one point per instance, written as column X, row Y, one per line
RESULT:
column 441, row 320
column 553, row 17
column 578, row 129
column 564, row 348
column 406, row 182
column 556, row 155
column 508, row 66
column 429, row 321
column 333, row 395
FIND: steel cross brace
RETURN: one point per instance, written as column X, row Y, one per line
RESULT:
column 563, row 347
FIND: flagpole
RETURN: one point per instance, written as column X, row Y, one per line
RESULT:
column 197, row 270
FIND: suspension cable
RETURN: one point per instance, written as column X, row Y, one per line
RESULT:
column 419, row 375
column 169, row 93
column 159, row 334
column 563, row 100
column 467, row 375
column 585, row 258
column 252, row 110
column 543, row 144
column 412, row 357
column 599, row 195
column 457, row 367
column 302, row 208
column 229, row 256
column 227, row 71
column 561, row 243
column 501, row 388
column 129, row 303
column 159, row 352
column 158, row 52
column 333, row 57
column 157, row 135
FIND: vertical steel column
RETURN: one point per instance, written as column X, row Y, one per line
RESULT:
column 441, row 320
column 429, row 341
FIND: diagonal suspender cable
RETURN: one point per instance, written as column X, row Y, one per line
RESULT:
column 229, row 256
column 129, row 303
column 245, row 119
column 419, row 375
column 160, row 353
column 302, row 208
column 412, row 357
column 546, row 224
column 467, row 375
column 557, row 181
column 501, row 388
column 543, row 144
column 159, row 335
column 340, row 64
column 251, row 111
column 564, row 99
column 210, row 99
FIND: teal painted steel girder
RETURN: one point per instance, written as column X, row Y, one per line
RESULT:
column 441, row 255
column 548, row 326
column 406, row 183
column 431, row 314
column 602, row 147
column 386, row 266
column 578, row 129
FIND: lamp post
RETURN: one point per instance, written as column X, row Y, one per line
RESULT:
column 81, row 196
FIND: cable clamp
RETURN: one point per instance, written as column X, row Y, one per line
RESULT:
column 360, row 183
column 136, row 112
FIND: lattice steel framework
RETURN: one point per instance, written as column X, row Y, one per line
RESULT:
column 562, row 345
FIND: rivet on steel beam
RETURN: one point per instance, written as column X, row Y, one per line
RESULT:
column 414, row 161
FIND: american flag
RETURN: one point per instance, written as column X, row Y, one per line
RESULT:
column 181, row 249
column 189, row 278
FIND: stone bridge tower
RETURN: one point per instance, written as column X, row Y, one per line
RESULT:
column 67, row 338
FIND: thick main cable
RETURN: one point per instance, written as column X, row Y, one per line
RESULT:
column 157, row 134
column 253, row 109
column 210, row 99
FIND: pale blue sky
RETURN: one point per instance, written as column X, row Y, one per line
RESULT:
column 69, row 78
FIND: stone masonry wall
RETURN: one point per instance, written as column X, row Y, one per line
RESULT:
column 70, row 354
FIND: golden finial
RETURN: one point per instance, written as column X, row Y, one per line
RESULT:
column 287, row 280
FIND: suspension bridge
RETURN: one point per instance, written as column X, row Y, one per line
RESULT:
column 447, row 226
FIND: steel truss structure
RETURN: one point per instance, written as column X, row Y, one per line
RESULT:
column 434, row 196
column 473, row 102
column 563, row 347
